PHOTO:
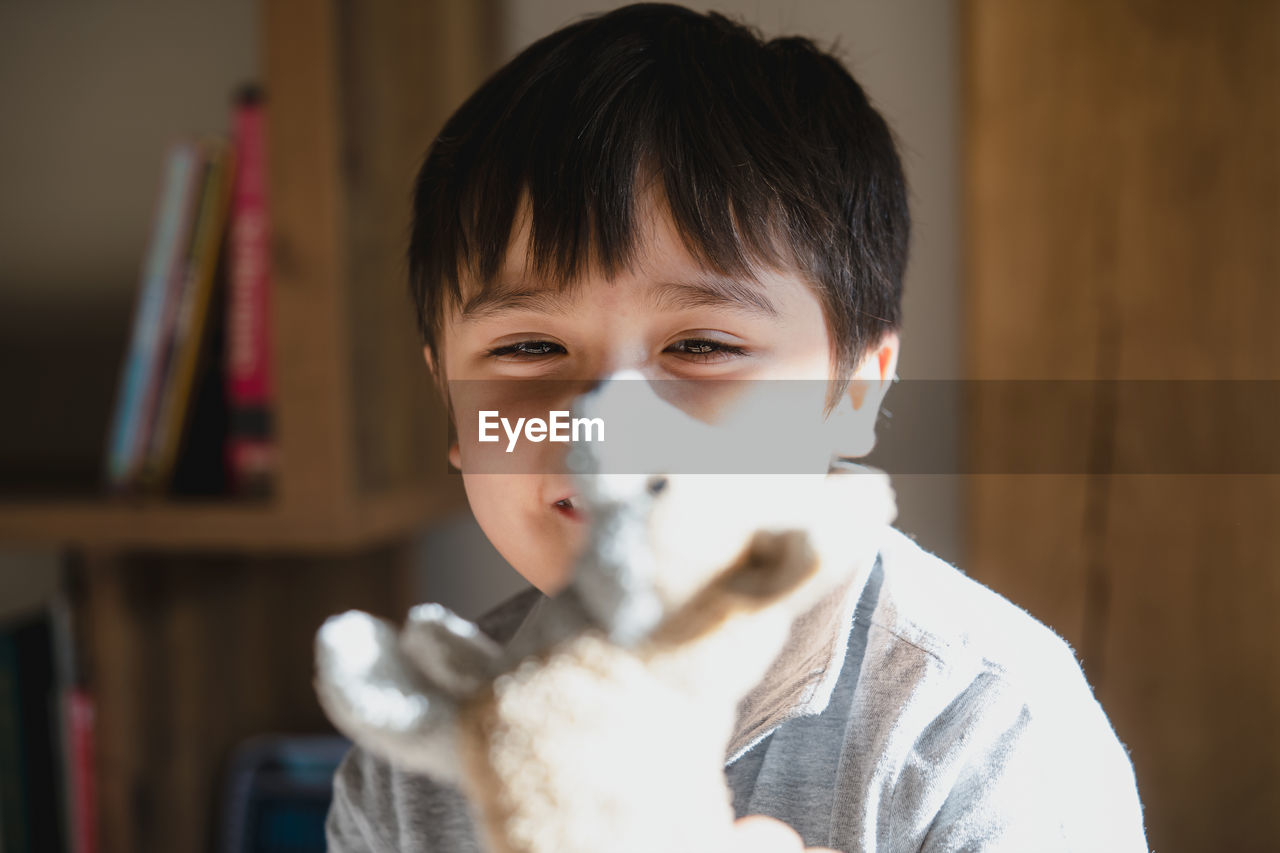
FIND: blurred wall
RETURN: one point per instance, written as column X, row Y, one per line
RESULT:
column 85, row 136
column 904, row 55
column 91, row 94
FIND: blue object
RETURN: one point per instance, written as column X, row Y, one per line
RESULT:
column 278, row 791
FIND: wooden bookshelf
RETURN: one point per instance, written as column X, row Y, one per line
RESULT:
column 355, row 93
column 194, row 620
column 187, row 655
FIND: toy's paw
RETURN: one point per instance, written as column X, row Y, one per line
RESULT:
column 373, row 693
column 452, row 652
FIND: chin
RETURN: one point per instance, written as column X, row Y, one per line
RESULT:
column 547, row 568
column 549, row 582
column 541, row 550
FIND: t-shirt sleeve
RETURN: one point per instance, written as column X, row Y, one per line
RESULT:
column 378, row 808
column 356, row 788
column 1042, row 770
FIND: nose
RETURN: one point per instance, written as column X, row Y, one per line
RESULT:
column 620, row 346
column 642, row 432
column 622, row 374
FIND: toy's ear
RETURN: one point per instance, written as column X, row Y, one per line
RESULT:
column 773, row 564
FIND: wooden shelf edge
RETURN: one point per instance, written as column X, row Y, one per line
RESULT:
column 215, row 526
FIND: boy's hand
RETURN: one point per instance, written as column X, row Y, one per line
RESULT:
column 760, row 834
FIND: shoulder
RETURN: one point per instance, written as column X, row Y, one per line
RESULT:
column 949, row 645
column 965, row 625
column 937, row 654
column 969, row 698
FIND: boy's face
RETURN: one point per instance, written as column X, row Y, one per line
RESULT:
column 665, row 318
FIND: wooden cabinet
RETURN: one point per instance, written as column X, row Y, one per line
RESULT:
column 1122, row 182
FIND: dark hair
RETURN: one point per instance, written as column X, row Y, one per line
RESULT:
column 768, row 153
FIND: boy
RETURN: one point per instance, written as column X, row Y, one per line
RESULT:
column 661, row 191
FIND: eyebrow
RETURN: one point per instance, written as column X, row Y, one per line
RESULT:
column 502, row 298
column 712, row 290
column 706, row 290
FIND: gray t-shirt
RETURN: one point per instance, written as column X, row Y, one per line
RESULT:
column 920, row 711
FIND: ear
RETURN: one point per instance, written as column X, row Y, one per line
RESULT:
column 455, row 456
column 860, row 406
column 875, row 373
column 431, row 362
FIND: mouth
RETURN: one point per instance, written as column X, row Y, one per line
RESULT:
column 569, row 507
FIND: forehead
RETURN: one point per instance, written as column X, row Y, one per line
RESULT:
column 654, row 240
column 660, row 263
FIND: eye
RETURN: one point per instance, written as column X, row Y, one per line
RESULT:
column 526, row 350
column 701, row 349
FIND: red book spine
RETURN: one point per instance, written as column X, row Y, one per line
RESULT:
column 83, row 791
column 250, row 394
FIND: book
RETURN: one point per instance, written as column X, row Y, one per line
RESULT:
column 75, row 723
column 31, row 774
column 250, row 448
column 13, row 806
column 200, row 469
column 189, row 333
column 163, row 268
column 81, row 791
column 177, row 285
column 47, row 795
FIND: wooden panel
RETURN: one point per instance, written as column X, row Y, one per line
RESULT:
column 405, row 66
column 316, row 466
column 187, row 657
column 357, row 92
column 214, row 525
column 1122, row 201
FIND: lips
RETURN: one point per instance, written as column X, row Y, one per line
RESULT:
column 568, row 507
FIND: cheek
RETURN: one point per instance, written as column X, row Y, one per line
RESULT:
column 494, row 497
column 498, row 503
column 526, row 534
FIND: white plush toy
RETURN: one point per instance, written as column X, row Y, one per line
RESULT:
column 605, row 727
